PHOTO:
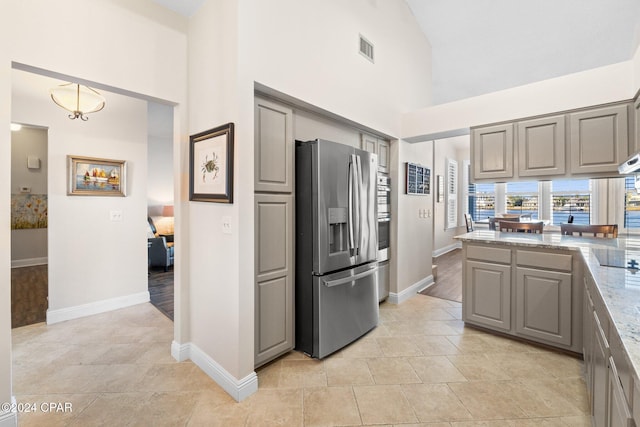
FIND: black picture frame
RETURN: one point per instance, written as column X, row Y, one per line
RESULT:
column 211, row 165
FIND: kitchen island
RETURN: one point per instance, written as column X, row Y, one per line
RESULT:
column 573, row 293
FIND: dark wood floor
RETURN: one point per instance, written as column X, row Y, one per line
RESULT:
column 29, row 291
column 161, row 290
column 448, row 283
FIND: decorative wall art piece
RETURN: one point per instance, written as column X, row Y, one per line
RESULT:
column 211, row 165
column 90, row 176
column 418, row 179
column 28, row 211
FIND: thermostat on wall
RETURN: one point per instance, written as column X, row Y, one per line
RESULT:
column 33, row 162
column 25, row 189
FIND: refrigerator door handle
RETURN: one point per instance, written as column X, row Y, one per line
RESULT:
column 350, row 206
column 348, row 279
column 358, row 201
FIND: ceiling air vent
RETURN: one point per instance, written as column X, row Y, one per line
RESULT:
column 366, row 48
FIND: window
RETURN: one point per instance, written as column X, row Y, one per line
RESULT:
column 571, row 197
column 631, row 203
column 482, row 201
column 522, row 198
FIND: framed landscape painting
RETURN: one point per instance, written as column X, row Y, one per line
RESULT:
column 211, row 165
column 89, row 176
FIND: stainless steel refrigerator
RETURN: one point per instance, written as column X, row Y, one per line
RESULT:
column 336, row 290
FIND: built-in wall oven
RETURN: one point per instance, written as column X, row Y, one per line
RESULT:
column 384, row 233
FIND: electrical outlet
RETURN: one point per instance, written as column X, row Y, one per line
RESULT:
column 115, row 216
column 226, row 224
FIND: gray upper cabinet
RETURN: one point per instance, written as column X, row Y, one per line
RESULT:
column 599, row 139
column 541, row 146
column 273, row 147
column 492, row 152
column 377, row 146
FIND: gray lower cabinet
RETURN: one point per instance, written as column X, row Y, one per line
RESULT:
column 599, row 139
column 636, row 404
column 492, row 153
column 543, row 305
column 600, row 387
column 487, row 297
column 274, row 276
column 618, row 411
column 588, row 338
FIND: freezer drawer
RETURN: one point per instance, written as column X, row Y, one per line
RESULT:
column 347, row 307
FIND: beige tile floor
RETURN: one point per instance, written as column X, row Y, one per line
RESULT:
column 419, row 367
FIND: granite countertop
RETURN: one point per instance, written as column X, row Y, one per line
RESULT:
column 619, row 287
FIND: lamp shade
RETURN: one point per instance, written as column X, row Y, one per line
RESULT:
column 167, row 210
column 77, row 99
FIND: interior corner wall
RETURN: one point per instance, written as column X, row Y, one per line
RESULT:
column 29, row 245
column 84, row 243
column 414, row 229
column 636, row 70
column 448, row 148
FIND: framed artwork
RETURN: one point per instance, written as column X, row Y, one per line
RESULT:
column 90, row 176
column 418, row 179
column 211, row 165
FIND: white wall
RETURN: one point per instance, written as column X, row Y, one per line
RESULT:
column 456, row 148
column 636, row 70
column 592, row 87
column 146, row 56
column 85, row 244
column 410, row 229
column 159, row 158
column 275, row 43
column 29, row 246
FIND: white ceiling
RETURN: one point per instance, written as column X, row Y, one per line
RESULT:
column 481, row 46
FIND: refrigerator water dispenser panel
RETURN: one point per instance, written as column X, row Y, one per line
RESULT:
column 338, row 230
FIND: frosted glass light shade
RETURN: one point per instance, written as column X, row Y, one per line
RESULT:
column 77, row 99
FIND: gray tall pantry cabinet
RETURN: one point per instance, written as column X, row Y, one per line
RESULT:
column 274, row 240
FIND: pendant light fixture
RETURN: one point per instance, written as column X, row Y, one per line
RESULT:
column 77, row 99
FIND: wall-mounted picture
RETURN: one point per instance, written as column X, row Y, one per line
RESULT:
column 211, row 165
column 28, row 211
column 90, row 176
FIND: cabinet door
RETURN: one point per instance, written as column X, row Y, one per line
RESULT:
column 274, row 276
column 541, row 146
column 273, row 147
column 487, row 297
column 618, row 411
column 599, row 410
column 383, row 156
column 492, row 152
column 599, row 139
column 368, row 143
column 587, row 340
column 543, row 305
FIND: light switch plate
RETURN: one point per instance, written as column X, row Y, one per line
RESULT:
column 115, row 216
column 226, row 224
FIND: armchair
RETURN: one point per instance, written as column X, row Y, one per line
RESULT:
column 160, row 251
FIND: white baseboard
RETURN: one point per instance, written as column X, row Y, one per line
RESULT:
column 411, row 291
column 29, row 262
column 238, row 389
column 60, row 315
column 9, row 419
column 442, row 251
column 180, row 352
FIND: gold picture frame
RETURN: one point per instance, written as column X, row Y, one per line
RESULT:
column 91, row 176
